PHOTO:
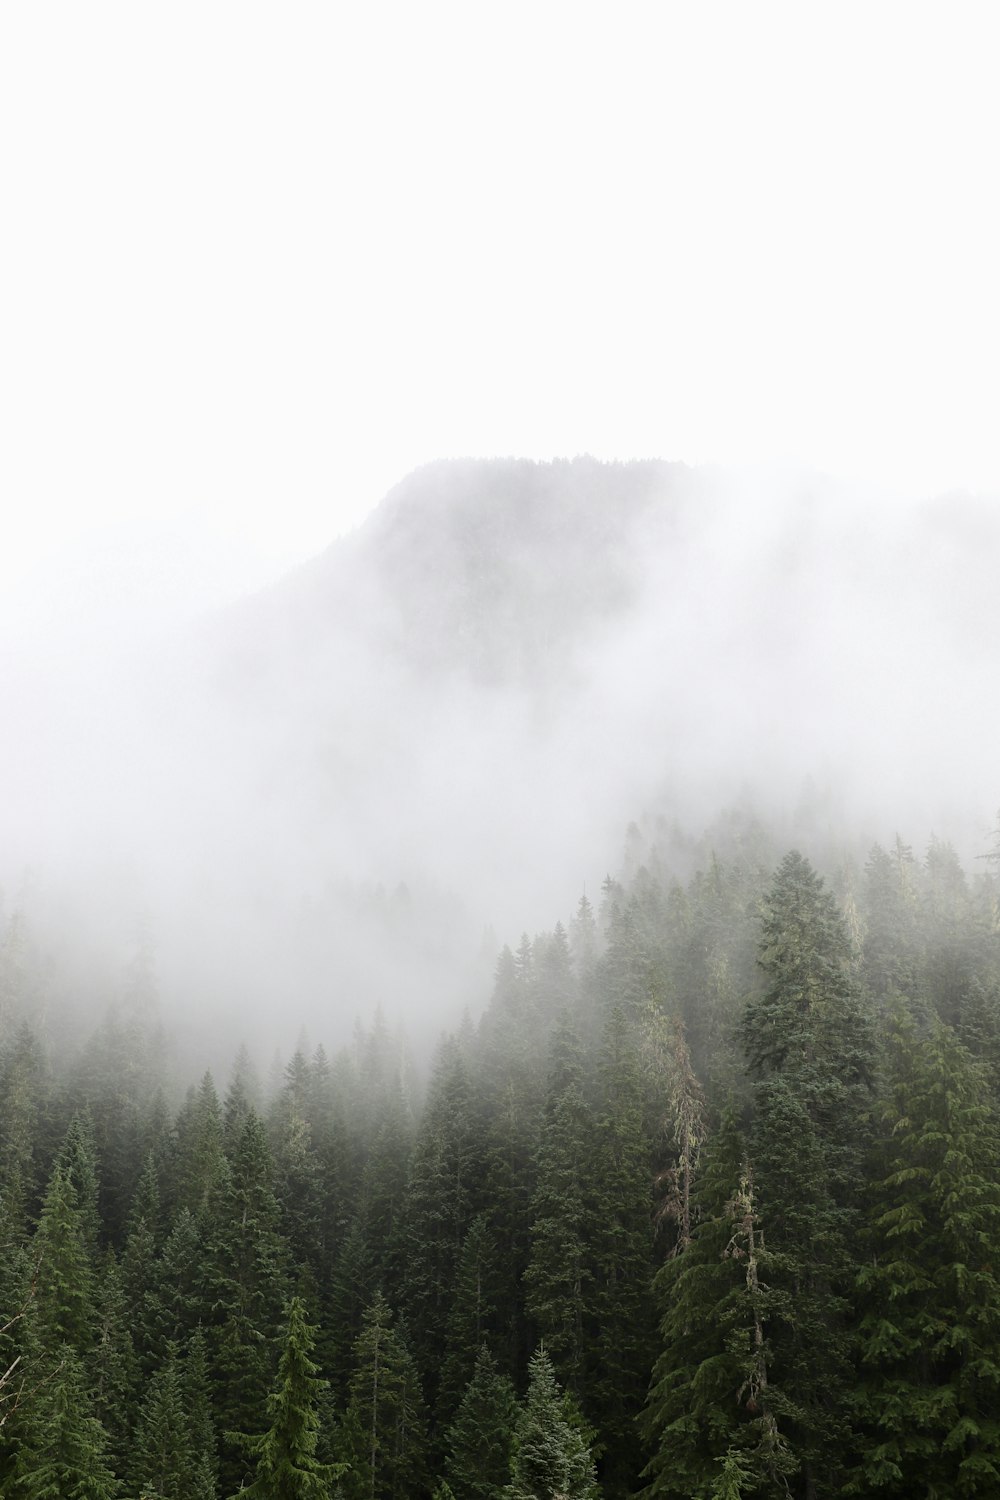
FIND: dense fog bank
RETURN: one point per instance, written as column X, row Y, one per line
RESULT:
column 324, row 797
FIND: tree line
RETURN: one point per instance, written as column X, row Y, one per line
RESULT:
column 705, row 1204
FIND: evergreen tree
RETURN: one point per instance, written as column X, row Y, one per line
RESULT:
column 24, row 1088
column 245, row 1278
column 385, row 1435
column 442, row 1195
column 620, row 1342
column 287, row 1467
column 175, row 1302
column 712, row 1407
column 163, row 1465
column 199, row 1159
column 559, row 1272
column 65, row 1278
column 480, row 1440
column 62, row 1450
column 472, row 1312
column 809, row 1042
column 113, row 1368
column 929, row 1286
column 551, row 1459
column 196, row 1391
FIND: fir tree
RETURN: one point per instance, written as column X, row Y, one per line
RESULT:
column 286, row 1464
column 386, row 1429
column 551, row 1459
column 163, row 1464
column 559, row 1272
column 62, row 1450
column 480, row 1440
column 712, row 1407
column 65, row 1279
column 930, row 1290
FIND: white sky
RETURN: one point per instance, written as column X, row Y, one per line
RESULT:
column 258, row 261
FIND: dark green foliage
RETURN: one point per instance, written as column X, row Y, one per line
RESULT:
column 551, row 1458
column 472, row 1311
column 442, row 1197
column 621, row 1343
column 196, row 1390
column 285, row 1455
column 810, row 1044
column 385, row 1435
column 62, row 1451
column 930, row 1288
column 163, row 1464
column 712, row 1403
column 175, row 1302
column 113, row 1368
column 559, row 1274
column 480, row 1440
column 24, row 1087
column 825, row 1316
column 245, row 1276
column 65, row 1277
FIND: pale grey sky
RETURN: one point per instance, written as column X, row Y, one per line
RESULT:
column 259, row 261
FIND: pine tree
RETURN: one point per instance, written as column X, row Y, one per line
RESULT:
column 440, row 1204
column 162, row 1462
column 559, row 1272
column 712, row 1407
column 199, row 1158
column 113, row 1368
column 620, row 1344
column 287, row 1467
column 551, row 1459
column 24, row 1088
column 65, row 1280
column 472, row 1312
column 386, row 1428
column 175, row 1302
column 62, row 1451
column 245, row 1278
column 480, row 1440
column 929, row 1287
column 196, row 1391
column 809, row 1043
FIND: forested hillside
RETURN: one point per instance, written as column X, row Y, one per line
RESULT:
column 706, row 1201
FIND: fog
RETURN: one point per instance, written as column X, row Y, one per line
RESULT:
column 349, row 789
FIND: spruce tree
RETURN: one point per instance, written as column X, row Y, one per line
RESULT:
column 480, row 1440
column 163, row 1464
column 559, row 1274
column 713, row 1407
column 551, row 1458
column 472, row 1313
column 62, row 1453
column 929, row 1286
column 809, row 1042
column 65, row 1278
column 385, row 1434
column 286, row 1464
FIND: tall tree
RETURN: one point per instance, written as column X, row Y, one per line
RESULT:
column 62, row 1455
column 560, row 1271
column 712, row 1402
column 286, row 1464
column 480, row 1440
column 552, row 1458
column 386, row 1428
column 929, row 1285
column 809, row 1043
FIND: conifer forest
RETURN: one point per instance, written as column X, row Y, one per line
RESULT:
column 704, row 1203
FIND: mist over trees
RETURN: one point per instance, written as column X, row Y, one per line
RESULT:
column 363, row 1136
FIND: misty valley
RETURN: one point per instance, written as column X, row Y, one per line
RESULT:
column 513, row 1010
